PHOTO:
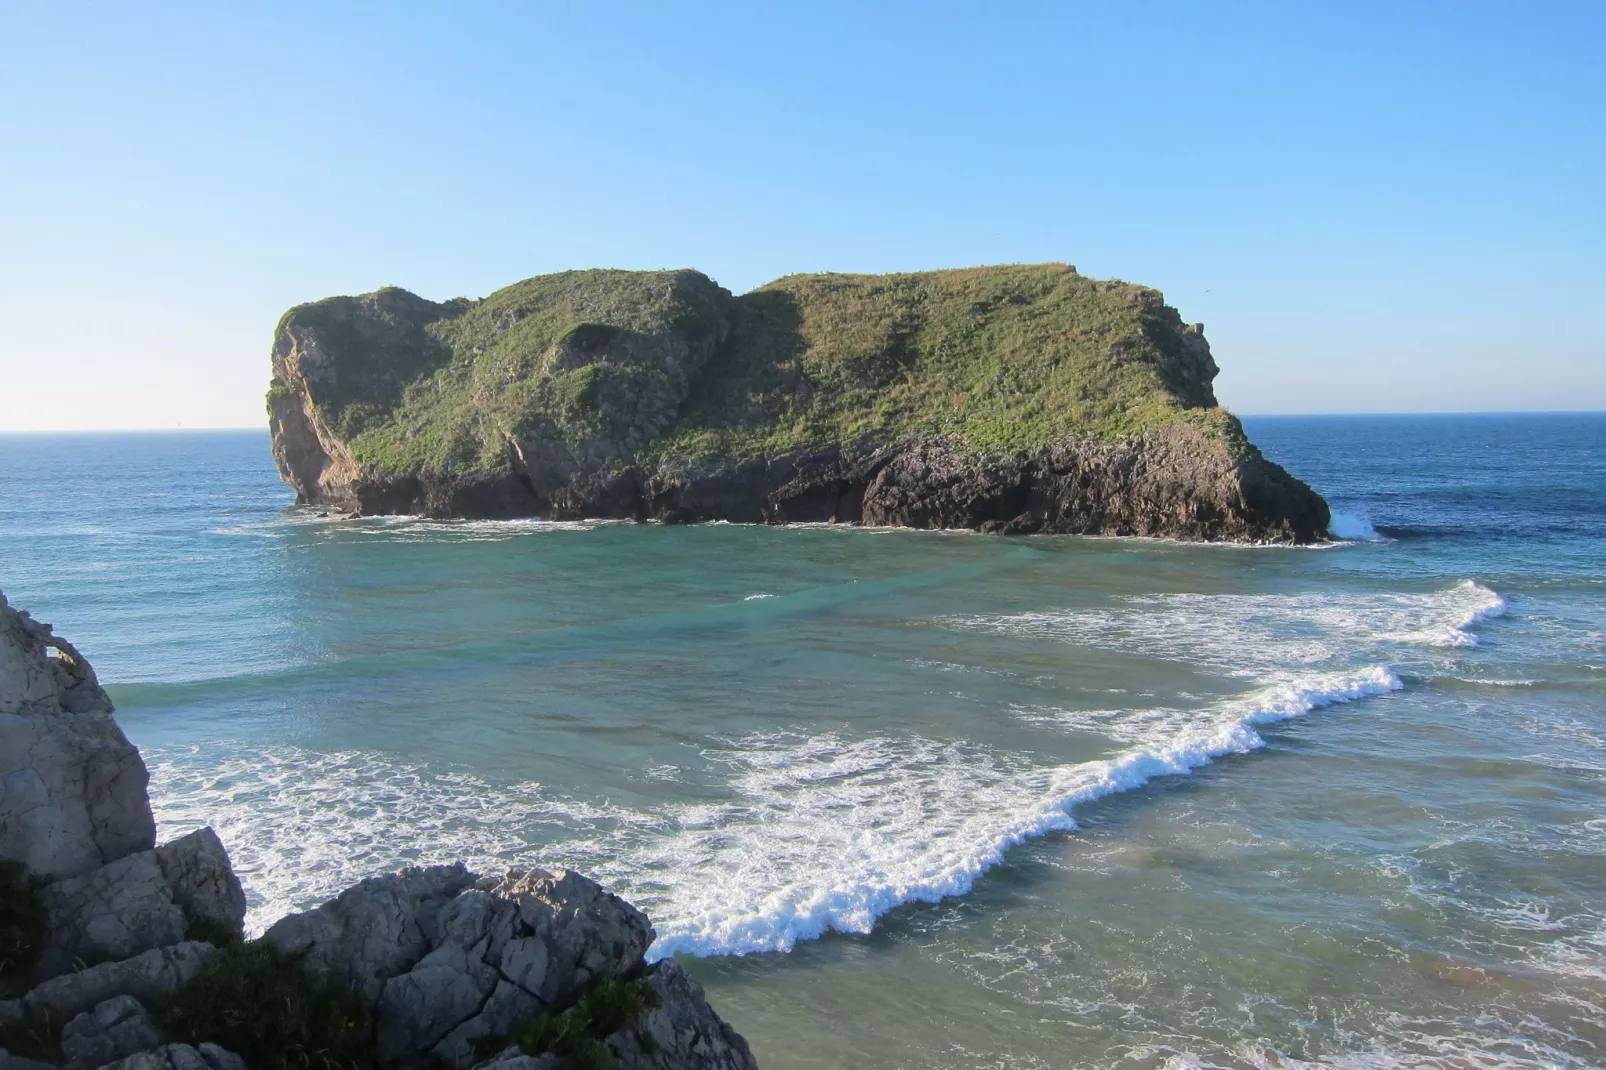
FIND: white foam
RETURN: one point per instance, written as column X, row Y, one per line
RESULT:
column 1258, row 636
column 300, row 825
column 878, row 825
column 1353, row 524
column 820, row 832
column 407, row 526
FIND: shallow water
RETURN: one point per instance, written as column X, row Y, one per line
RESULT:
column 913, row 799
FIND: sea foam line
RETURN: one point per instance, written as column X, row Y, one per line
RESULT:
column 819, row 833
column 823, row 833
column 879, row 877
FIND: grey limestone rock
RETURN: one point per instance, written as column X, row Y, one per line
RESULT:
column 181, row 1057
column 155, row 973
column 72, row 788
column 449, row 958
column 139, row 902
column 683, row 1032
column 375, row 930
column 201, row 880
column 113, row 1030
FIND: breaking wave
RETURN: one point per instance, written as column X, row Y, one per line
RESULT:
column 822, row 833
column 1353, row 525
column 812, row 832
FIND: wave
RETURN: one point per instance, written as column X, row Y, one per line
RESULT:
column 1353, row 525
column 1259, row 636
column 819, row 834
column 883, row 849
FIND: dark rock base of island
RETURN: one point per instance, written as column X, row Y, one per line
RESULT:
column 1174, row 483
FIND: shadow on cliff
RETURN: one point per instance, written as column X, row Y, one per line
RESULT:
column 736, row 389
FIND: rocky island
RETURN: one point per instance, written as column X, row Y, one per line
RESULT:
column 116, row 951
column 1013, row 399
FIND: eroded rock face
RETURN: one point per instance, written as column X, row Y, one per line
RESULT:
column 182, row 1057
column 448, row 958
column 147, row 976
column 683, row 1031
column 143, row 901
column 375, row 930
column 72, row 788
column 113, row 1030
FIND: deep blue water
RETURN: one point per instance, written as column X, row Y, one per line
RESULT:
column 915, row 799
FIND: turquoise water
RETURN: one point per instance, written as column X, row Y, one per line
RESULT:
column 905, row 799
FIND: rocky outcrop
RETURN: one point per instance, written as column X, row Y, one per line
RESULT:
column 150, row 975
column 114, row 1030
column 446, row 963
column 1017, row 400
column 450, row 960
column 141, row 902
column 72, row 788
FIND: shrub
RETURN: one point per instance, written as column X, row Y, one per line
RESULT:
column 269, row 1009
column 576, row 1034
column 22, row 920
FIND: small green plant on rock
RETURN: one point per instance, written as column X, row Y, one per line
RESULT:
column 576, row 1034
column 269, row 1009
column 22, row 921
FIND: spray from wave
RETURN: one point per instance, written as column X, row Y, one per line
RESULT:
column 1353, row 524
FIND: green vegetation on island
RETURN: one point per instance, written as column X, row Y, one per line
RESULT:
column 659, row 364
column 1015, row 399
column 1003, row 358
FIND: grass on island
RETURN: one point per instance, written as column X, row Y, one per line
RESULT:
column 553, row 356
column 1002, row 358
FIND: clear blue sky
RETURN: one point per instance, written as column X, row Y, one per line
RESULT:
column 1372, row 206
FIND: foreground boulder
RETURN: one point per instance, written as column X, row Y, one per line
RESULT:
column 149, row 976
column 72, row 788
column 1013, row 399
column 430, row 966
column 113, row 1030
column 451, row 961
column 143, row 901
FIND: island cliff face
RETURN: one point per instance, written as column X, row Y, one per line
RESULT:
column 1016, row 399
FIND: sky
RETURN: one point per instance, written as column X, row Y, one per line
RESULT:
column 1372, row 207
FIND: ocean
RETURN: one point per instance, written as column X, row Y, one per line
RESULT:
column 918, row 799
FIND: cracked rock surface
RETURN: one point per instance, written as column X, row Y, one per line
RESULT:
column 114, row 1030
column 72, row 787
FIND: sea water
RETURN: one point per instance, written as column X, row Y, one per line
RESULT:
column 918, row 799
